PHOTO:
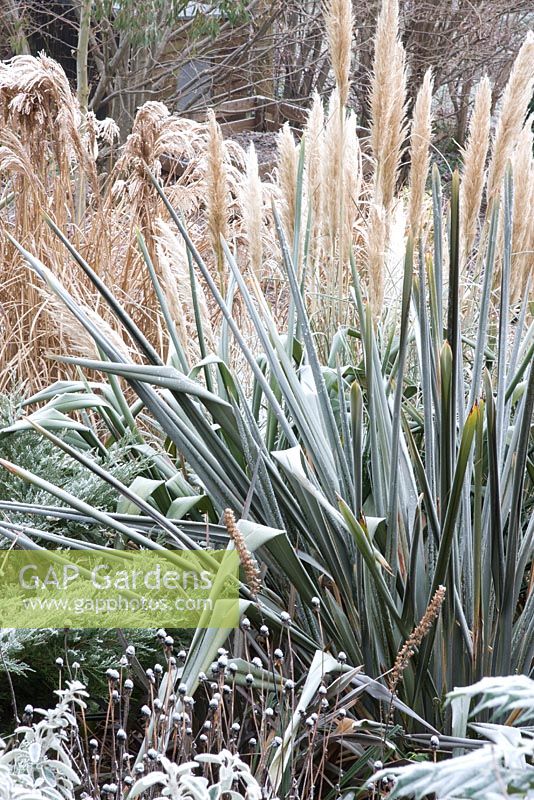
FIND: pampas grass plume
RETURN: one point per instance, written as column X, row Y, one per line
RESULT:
column 251, row 201
column 522, row 234
column 314, row 138
column 287, row 178
column 474, row 161
column 217, row 192
column 516, row 97
column 338, row 22
column 332, row 166
column 419, row 146
column 388, row 103
column 376, row 253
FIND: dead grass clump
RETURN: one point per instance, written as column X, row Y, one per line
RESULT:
column 41, row 159
column 48, row 152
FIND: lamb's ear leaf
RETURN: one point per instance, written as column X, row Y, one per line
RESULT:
column 146, row 782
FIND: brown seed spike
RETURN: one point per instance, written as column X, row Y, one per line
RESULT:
column 250, row 565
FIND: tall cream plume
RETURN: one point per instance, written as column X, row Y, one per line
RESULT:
column 474, row 163
column 388, row 103
column 338, row 22
column 376, row 241
column 419, row 148
column 251, row 201
column 522, row 235
column 314, row 155
column 352, row 177
column 516, row 97
column 287, row 179
column 216, row 192
column 332, row 166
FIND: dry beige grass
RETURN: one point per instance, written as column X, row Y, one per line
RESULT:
column 175, row 282
column 217, row 188
column 42, row 151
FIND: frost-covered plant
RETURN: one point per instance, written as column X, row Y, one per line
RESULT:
column 501, row 768
column 28, row 449
column 232, row 771
column 14, row 644
column 17, row 787
column 40, row 766
column 179, row 782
